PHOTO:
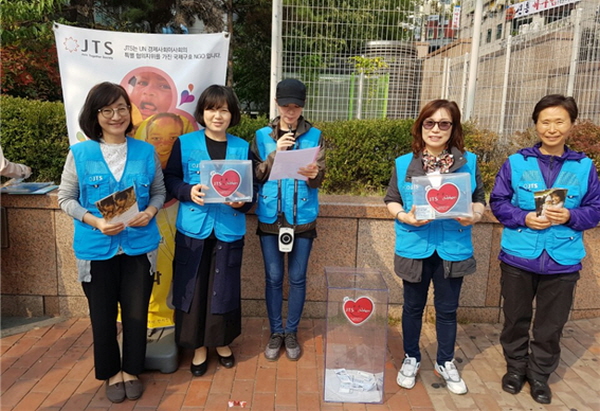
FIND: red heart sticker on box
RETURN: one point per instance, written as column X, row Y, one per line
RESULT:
column 227, row 183
column 444, row 198
column 358, row 311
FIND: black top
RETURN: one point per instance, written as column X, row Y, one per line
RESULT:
column 216, row 149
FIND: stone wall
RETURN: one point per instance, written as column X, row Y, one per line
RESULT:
column 39, row 276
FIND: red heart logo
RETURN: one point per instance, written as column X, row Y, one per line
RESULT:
column 358, row 311
column 443, row 199
column 227, row 183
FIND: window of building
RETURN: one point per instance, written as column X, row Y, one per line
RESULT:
column 498, row 31
column 516, row 23
column 488, row 39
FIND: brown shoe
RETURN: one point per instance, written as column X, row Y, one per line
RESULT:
column 116, row 392
column 134, row 389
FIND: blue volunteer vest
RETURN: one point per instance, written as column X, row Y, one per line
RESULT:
column 96, row 182
column 199, row 221
column 562, row 243
column 451, row 240
column 308, row 198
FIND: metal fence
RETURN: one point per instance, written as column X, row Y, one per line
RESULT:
column 386, row 58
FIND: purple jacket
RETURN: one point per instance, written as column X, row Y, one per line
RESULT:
column 584, row 217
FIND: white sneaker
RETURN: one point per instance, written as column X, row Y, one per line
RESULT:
column 450, row 374
column 408, row 373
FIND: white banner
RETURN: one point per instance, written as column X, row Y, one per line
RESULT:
column 528, row 7
column 456, row 18
column 176, row 67
column 164, row 74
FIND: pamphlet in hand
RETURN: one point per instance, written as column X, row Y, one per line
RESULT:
column 119, row 207
column 551, row 198
column 287, row 163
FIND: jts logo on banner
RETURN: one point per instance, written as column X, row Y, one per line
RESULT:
column 163, row 74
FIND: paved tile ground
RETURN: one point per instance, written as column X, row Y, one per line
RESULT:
column 51, row 368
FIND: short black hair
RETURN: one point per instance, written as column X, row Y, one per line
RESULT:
column 101, row 95
column 556, row 100
column 216, row 96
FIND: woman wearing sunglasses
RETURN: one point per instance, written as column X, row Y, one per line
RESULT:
column 433, row 251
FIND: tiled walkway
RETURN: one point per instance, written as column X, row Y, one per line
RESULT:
column 51, row 368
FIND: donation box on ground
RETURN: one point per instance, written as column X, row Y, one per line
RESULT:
column 356, row 335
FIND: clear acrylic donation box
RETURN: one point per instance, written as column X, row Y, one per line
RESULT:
column 227, row 180
column 356, row 335
column 439, row 196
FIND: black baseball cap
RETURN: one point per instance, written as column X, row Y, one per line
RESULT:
column 290, row 91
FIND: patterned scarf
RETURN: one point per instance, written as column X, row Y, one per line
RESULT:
column 440, row 164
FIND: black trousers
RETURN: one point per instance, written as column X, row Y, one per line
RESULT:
column 123, row 280
column 538, row 357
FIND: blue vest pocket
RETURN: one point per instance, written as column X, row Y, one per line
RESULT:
column 94, row 191
column 90, row 241
column 410, row 239
column 143, row 238
column 566, row 246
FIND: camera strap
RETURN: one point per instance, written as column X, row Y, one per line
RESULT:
column 279, row 205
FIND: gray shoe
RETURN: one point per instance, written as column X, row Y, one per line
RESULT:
column 134, row 389
column 292, row 348
column 116, row 392
column 274, row 346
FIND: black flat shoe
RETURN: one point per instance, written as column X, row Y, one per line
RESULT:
column 199, row 370
column 540, row 391
column 227, row 362
column 513, row 382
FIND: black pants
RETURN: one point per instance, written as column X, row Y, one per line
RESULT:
column 123, row 280
column 537, row 358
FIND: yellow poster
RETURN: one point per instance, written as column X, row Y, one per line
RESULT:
column 160, row 313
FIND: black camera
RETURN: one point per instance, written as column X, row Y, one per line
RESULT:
column 286, row 239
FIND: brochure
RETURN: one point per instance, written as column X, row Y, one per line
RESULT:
column 17, row 186
column 119, row 207
column 551, row 198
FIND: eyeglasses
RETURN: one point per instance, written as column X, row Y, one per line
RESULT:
column 442, row 125
column 110, row 112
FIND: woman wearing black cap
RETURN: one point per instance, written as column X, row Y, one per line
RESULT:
column 287, row 208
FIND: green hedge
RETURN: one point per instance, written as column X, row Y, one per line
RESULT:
column 34, row 133
column 360, row 153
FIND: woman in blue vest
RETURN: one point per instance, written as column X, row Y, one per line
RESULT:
column 284, row 207
column 433, row 251
column 541, row 255
column 210, row 237
column 115, row 260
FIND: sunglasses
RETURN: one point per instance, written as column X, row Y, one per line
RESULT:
column 442, row 125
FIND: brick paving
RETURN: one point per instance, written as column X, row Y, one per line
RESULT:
column 51, row 368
